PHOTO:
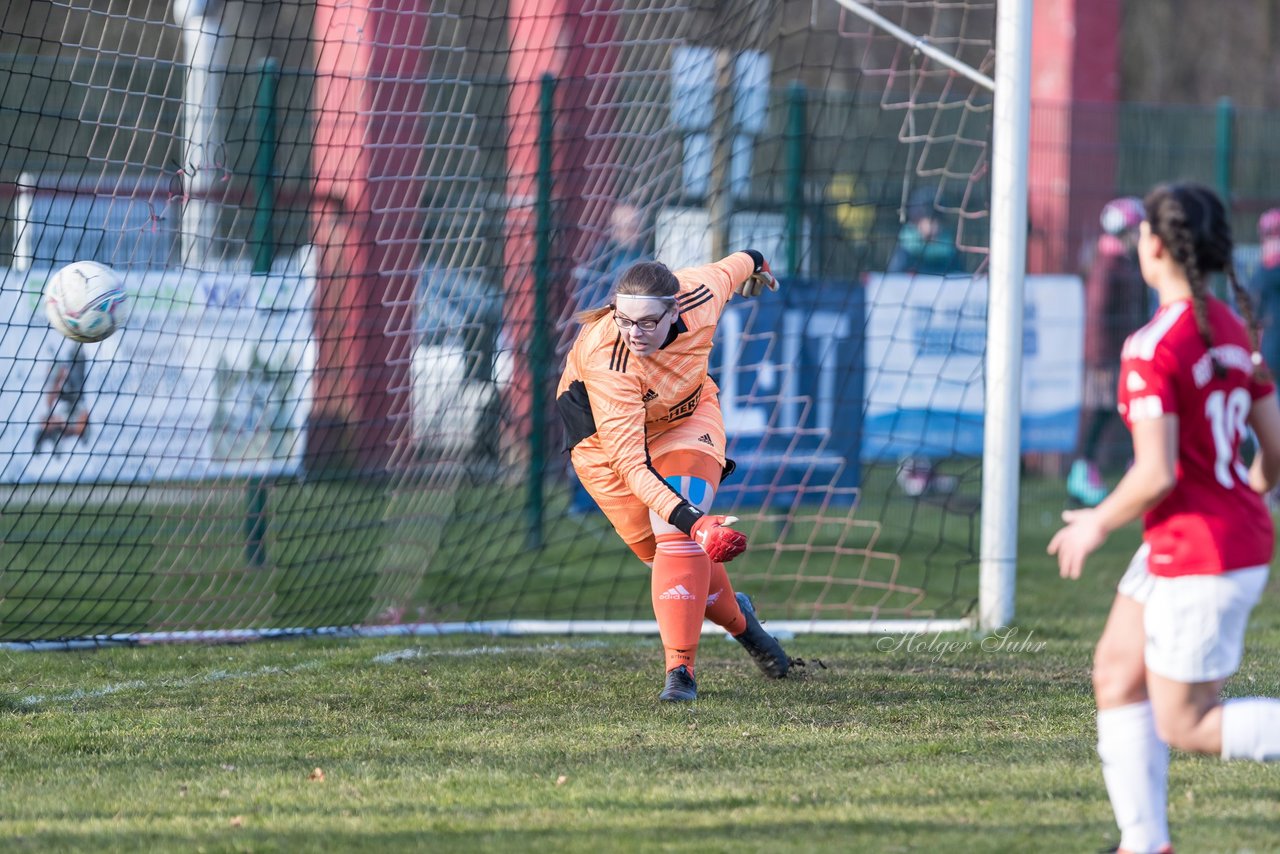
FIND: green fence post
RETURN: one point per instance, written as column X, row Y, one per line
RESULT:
column 1223, row 151
column 255, row 522
column 796, row 134
column 262, row 239
column 264, row 120
column 539, row 343
column 1224, row 154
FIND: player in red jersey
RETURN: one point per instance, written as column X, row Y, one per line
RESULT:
column 1192, row 385
column 646, row 439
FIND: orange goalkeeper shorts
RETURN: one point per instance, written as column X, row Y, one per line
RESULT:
column 694, row 447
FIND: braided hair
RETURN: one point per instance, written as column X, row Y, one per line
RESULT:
column 1191, row 221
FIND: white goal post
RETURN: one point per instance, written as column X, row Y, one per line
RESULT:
column 1002, row 433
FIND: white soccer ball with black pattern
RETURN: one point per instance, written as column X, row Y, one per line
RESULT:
column 86, row 301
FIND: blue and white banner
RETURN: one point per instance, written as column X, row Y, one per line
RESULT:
column 210, row 377
column 789, row 367
column 925, row 365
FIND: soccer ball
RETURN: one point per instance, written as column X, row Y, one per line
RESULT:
column 86, row 301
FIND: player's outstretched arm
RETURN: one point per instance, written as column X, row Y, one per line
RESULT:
column 1264, row 419
column 758, row 281
column 1152, row 476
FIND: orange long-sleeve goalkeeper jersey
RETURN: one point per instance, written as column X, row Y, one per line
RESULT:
column 612, row 400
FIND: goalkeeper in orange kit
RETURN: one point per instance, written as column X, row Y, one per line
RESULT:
column 646, row 438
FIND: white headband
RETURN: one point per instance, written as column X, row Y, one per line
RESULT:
column 667, row 303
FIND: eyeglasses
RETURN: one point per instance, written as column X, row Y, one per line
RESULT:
column 645, row 325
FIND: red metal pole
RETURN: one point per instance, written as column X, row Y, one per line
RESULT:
column 371, row 62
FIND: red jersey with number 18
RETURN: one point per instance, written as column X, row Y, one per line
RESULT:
column 1212, row 521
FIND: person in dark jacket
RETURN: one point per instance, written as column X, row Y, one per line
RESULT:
column 925, row 245
column 1115, row 305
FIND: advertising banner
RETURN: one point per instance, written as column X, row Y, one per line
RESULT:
column 790, row 373
column 210, row 377
column 926, row 346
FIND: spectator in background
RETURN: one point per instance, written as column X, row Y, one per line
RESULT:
column 925, row 245
column 66, row 414
column 1264, row 287
column 594, row 282
column 1115, row 305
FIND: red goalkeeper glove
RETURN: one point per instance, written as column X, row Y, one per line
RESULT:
column 721, row 543
column 757, row 282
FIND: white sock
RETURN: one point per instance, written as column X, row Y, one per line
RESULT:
column 1135, row 765
column 1251, row 729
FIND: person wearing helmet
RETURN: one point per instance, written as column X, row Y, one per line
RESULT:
column 1115, row 305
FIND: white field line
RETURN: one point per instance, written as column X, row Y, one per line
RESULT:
column 32, row 700
column 422, row 652
column 142, row 684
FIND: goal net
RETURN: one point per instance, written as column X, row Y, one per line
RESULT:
column 354, row 235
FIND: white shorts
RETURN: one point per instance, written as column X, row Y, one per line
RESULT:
column 1194, row 623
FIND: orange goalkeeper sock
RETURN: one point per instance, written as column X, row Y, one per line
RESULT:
column 722, row 605
column 681, row 572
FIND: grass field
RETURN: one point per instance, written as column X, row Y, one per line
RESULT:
column 558, row 744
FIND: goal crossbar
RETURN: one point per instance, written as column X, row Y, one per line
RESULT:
column 918, row 43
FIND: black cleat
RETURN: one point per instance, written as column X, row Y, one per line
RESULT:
column 763, row 647
column 679, row 687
